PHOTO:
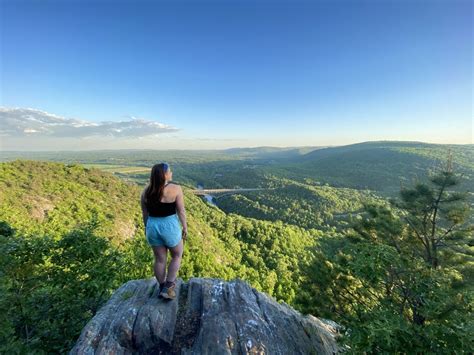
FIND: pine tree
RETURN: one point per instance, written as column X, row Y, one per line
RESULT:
column 438, row 217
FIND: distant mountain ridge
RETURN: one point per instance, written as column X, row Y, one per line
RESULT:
column 380, row 166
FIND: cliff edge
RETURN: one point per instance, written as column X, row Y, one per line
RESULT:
column 208, row 316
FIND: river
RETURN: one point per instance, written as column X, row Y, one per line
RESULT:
column 209, row 198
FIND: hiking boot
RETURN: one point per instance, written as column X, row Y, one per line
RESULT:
column 160, row 288
column 168, row 291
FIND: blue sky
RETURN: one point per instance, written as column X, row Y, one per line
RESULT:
column 218, row 74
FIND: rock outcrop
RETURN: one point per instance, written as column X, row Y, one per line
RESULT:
column 208, row 316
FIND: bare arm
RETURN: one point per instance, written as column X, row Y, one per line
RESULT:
column 181, row 210
column 144, row 209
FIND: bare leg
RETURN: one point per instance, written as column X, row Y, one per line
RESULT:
column 176, row 254
column 160, row 263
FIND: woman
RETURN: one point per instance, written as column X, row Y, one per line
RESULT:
column 162, row 203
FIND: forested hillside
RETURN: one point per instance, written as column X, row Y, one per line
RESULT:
column 59, row 223
column 379, row 166
column 52, row 198
column 388, row 270
column 307, row 205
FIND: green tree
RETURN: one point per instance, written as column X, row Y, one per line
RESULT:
column 390, row 292
column 438, row 217
column 51, row 288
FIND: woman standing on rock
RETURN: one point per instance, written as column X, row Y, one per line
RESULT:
column 162, row 203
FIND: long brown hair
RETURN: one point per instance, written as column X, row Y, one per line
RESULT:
column 154, row 190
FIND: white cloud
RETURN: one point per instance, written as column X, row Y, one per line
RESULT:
column 28, row 122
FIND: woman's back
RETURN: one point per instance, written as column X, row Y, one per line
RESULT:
column 167, row 205
column 162, row 217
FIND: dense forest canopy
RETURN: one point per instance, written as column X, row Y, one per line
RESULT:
column 346, row 233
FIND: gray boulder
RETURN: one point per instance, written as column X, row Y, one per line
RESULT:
column 208, row 316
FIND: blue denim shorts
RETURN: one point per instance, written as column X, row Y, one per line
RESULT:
column 163, row 231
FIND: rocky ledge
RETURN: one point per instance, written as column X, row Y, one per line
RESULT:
column 208, row 316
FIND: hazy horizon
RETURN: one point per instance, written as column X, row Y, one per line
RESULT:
column 230, row 148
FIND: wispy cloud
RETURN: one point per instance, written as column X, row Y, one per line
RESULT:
column 28, row 122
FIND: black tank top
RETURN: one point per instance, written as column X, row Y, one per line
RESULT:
column 160, row 209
